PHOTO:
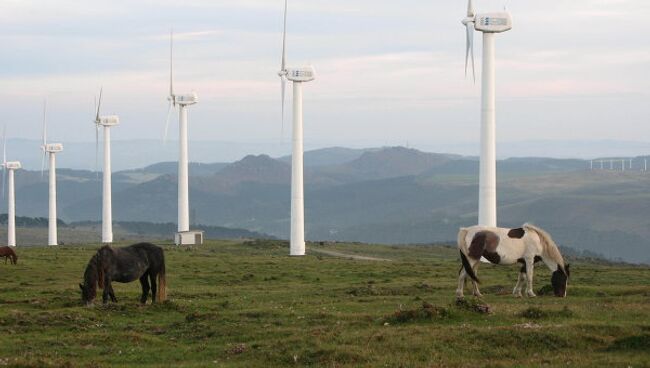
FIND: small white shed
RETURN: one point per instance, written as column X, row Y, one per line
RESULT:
column 192, row 237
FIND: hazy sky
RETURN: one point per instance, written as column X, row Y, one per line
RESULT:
column 389, row 72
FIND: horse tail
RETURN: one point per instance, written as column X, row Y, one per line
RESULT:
column 462, row 247
column 468, row 267
column 551, row 249
column 161, row 295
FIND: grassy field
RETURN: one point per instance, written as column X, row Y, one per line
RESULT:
column 249, row 305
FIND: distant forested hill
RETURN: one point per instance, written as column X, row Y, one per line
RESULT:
column 386, row 195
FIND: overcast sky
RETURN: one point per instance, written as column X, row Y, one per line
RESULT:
column 388, row 72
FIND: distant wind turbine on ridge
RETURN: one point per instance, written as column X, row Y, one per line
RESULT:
column 298, row 76
column 8, row 169
column 106, row 122
column 489, row 24
column 50, row 150
column 184, row 235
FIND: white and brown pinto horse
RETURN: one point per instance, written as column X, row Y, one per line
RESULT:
column 527, row 245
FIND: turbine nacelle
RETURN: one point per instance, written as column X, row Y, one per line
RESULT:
column 12, row 165
column 108, row 120
column 302, row 74
column 187, row 99
column 52, row 147
column 493, row 22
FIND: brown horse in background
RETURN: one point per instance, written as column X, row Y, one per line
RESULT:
column 8, row 253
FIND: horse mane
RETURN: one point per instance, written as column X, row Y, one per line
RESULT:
column 94, row 275
column 550, row 248
column 100, row 273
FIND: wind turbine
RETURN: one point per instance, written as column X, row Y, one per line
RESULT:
column 9, row 166
column 106, row 122
column 489, row 24
column 298, row 76
column 184, row 236
column 50, row 149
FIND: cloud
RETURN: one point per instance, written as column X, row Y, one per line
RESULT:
column 378, row 62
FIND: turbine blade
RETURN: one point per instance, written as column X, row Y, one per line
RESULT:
column 43, row 164
column 4, row 159
column 472, row 52
column 466, row 48
column 4, row 145
column 44, row 122
column 470, row 33
column 469, row 51
column 171, row 63
column 99, row 105
column 97, row 150
column 284, row 38
column 470, row 9
column 284, row 95
column 44, row 137
column 169, row 114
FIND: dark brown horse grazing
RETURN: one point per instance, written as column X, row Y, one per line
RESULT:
column 142, row 261
column 8, row 253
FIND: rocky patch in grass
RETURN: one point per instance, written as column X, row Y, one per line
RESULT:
column 425, row 312
column 473, row 305
column 237, row 349
column 538, row 313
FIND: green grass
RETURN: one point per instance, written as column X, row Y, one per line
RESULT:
column 249, row 305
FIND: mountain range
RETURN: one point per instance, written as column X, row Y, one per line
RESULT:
column 389, row 195
column 138, row 153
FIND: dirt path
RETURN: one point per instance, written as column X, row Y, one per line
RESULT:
column 349, row 256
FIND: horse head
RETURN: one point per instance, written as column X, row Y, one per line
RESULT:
column 88, row 294
column 560, row 279
column 90, row 283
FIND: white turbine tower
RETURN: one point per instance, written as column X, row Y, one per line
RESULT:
column 10, row 167
column 298, row 76
column 489, row 24
column 50, row 149
column 106, row 122
column 184, row 235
